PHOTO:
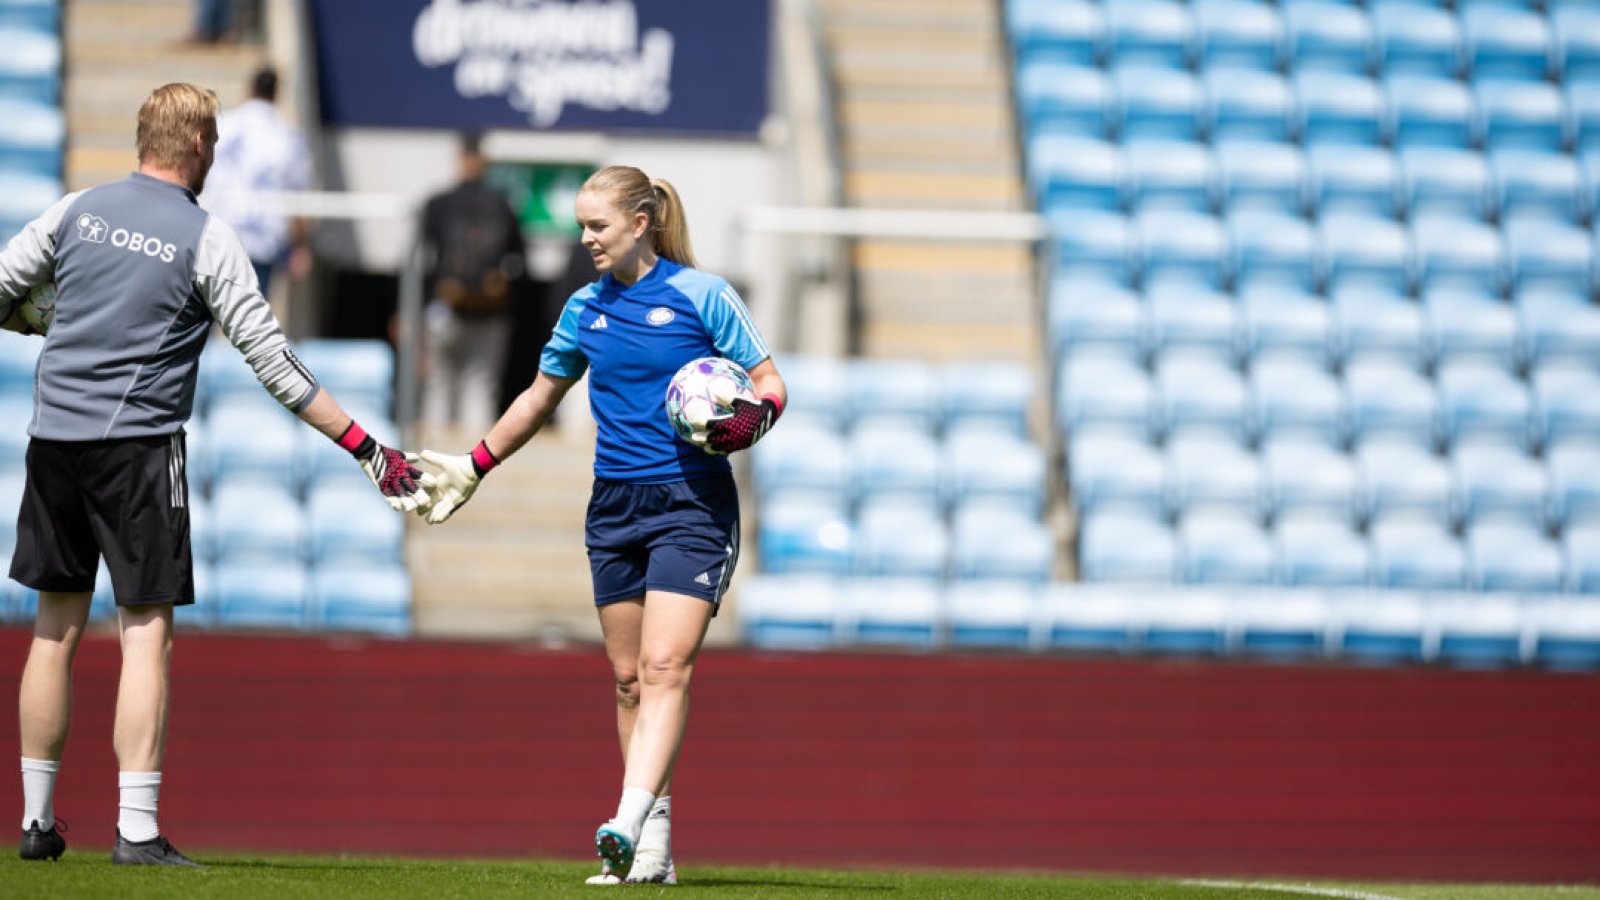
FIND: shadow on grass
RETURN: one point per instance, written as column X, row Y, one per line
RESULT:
column 290, row 866
column 799, row 884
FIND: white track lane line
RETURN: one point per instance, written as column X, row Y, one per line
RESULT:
column 1303, row 889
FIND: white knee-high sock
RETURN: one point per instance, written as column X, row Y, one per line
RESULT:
column 39, row 792
column 655, row 839
column 140, row 791
column 632, row 809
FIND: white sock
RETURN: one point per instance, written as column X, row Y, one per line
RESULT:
column 140, row 793
column 38, row 792
column 632, row 809
column 655, row 839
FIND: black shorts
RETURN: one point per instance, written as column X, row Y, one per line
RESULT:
column 682, row 536
column 127, row 499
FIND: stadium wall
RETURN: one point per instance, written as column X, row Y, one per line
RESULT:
column 1199, row 768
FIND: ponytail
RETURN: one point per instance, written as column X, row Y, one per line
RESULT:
column 632, row 191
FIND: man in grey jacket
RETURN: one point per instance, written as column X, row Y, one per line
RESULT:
column 141, row 274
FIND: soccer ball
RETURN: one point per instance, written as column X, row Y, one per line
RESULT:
column 703, row 390
column 39, row 309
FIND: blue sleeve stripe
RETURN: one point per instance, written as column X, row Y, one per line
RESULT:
column 743, row 314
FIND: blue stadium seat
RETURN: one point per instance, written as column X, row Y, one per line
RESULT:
column 806, row 531
column 1421, row 110
column 1574, row 478
column 1401, row 480
column 1278, row 321
column 1319, row 553
column 787, row 612
column 1092, row 244
column 1566, row 403
column 1152, row 102
column 16, row 412
column 1580, row 544
column 34, row 15
column 1374, row 324
column 31, row 67
column 1468, row 325
column 897, row 612
column 1063, row 99
column 1326, row 35
column 1215, row 547
column 351, row 524
column 1416, row 39
column 257, row 522
column 1199, row 389
column 1071, row 31
column 322, row 461
column 1575, row 29
column 1582, row 103
column 1070, row 173
column 1502, row 42
column 1351, row 180
column 33, row 137
column 1168, row 174
column 1239, row 33
column 263, row 594
column 1271, row 250
column 1185, row 623
column 1480, row 401
column 1112, row 470
column 1523, row 114
column 900, row 536
column 1499, row 483
column 1477, row 632
column 1126, row 547
column 1287, row 626
column 1083, row 313
column 1080, row 617
column 1308, row 479
column 1246, row 104
column 1296, row 396
column 19, row 357
column 801, row 455
column 371, row 598
column 904, row 391
column 1380, row 628
column 1416, row 554
column 994, row 467
column 1506, row 556
column 890, row 458
column 990, row 614
column 1558, row 326
column 1337, row 108
column 358, row 372
column 1180, row 248
column 1149, row 32
column 999, row 542
column 1104, row 389
column 994, row 394
column 819, row 385
column 1443, row 181
column 247, row 443
column 1185, row 317
column 1460, row 254
column 1535, row 185
column 1259, row 176
column 1207, row 473
column 23, row 196
column 1566, row 636
column 1362, row 250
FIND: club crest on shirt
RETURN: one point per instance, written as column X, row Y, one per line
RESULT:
column 660, row 316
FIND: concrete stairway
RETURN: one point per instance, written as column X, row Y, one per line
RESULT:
column 925, row 122
column 117, row 51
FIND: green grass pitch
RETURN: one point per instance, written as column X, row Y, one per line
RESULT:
column 89, row 873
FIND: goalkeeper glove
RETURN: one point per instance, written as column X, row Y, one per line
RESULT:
column 457, row 479
column 744, row 426
column 399, row 482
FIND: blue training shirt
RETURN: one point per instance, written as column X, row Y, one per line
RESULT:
column 632, row 339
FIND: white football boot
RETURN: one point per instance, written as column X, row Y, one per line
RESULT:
column 648, row 868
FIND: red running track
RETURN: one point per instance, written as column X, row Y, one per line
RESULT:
column 1195, row 768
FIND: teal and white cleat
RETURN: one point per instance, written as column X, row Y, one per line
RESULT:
column 606, row 876
column 651, row 869
column 615, row 846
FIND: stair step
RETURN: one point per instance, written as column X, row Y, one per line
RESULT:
column 998, row 191
column 946, row 342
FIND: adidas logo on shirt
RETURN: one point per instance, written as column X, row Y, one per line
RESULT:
column 598, row 323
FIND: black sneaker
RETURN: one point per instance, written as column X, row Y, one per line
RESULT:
column 157, row 851
column 40, row 844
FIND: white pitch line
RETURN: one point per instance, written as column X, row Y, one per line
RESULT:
column 1290, row 889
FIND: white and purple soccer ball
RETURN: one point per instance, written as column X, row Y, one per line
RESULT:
column 38, row 308
column 703, row 390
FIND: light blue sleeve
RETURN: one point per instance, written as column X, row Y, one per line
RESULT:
column 728, row 322
column 561, row 356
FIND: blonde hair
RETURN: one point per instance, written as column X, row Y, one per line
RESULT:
column 632, row 191
column 169, row 120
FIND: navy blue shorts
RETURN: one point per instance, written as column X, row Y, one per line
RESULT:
column 682, row 537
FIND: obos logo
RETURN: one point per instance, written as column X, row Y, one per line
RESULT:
column 94, row 230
